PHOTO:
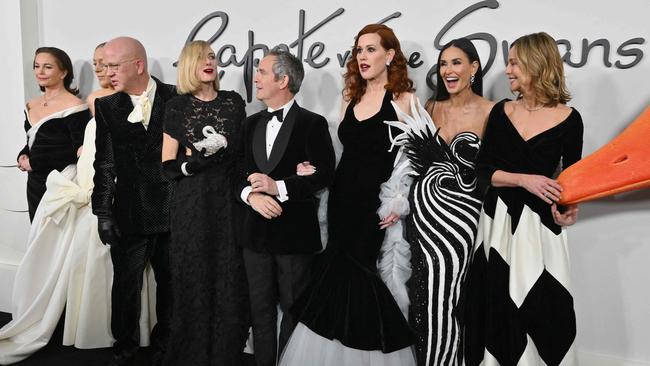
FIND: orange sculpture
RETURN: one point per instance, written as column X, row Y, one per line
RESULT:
column 620, row 166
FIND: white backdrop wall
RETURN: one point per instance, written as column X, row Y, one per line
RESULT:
column 610, row 248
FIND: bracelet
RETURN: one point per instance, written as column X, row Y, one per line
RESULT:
column 184, row 170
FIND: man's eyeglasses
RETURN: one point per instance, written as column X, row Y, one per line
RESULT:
column 116, row 66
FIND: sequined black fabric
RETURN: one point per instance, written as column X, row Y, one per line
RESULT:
column 441, row 227
column 128, row 180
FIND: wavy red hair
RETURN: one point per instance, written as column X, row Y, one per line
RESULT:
column 398, row 80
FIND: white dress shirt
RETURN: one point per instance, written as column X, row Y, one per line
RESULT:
column 272, row 130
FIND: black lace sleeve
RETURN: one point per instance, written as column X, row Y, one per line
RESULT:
column 173, row 116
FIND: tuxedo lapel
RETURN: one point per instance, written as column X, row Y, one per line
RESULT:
column 259, row 145
column 282, row 140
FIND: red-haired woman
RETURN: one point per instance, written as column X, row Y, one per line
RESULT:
column 348, row 316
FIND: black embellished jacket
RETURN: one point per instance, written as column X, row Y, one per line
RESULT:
column 129, row 184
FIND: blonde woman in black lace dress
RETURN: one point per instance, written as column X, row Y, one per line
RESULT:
column 200, row 143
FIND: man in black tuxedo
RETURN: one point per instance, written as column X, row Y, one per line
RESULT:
column 280, row 230
column 131, row 198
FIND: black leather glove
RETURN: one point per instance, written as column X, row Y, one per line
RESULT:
column 172, row 169
column 109, row 233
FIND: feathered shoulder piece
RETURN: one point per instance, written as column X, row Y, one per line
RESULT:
column 419, row 138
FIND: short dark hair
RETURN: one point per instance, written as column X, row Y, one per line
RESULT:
column 289, row 65
column 468, row 48
column 63, row 62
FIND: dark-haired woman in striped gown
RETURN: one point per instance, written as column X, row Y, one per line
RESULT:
column 444, row 204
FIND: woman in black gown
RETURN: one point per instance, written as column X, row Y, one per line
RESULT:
column 519, row 304
column 200, row 149
column 348, row 316
column 54, row 122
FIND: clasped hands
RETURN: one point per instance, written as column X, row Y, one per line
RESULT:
column 549, row 191
column 262, row 195
column 264, row 188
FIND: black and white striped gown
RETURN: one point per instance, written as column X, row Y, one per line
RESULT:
column 440, row 229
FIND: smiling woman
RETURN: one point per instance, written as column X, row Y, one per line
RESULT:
column 520, row 308
column 66, row 269
column 445, row 204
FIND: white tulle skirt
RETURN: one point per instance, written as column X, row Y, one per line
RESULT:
column 306, row 348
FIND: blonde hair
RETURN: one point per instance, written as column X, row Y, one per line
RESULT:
column 191, row 55
column 540, row 58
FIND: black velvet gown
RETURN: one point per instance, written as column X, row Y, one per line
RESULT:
column 52, row 143
column 210, row 315
column 347, row 300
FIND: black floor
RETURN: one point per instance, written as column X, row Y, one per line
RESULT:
column 54, row 354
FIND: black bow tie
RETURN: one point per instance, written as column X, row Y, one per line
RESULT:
column 265, row 114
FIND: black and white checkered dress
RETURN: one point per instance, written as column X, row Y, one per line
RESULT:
column 519, row 306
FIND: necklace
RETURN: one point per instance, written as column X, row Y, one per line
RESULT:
column 534, row 109
column 45, row 100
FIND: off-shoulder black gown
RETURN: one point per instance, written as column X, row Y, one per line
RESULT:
column 52, row 143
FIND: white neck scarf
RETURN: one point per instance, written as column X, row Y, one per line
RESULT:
column 142, row 105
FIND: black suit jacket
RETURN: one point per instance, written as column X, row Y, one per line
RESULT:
column 129, row 184
column 304, row 136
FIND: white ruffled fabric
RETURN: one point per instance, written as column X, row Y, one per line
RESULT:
column 66, row 266
column 308, row 348
column 394, row 263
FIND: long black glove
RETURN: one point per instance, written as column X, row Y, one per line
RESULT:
column 109, row 233
column 173, row 169
column 197, row 162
